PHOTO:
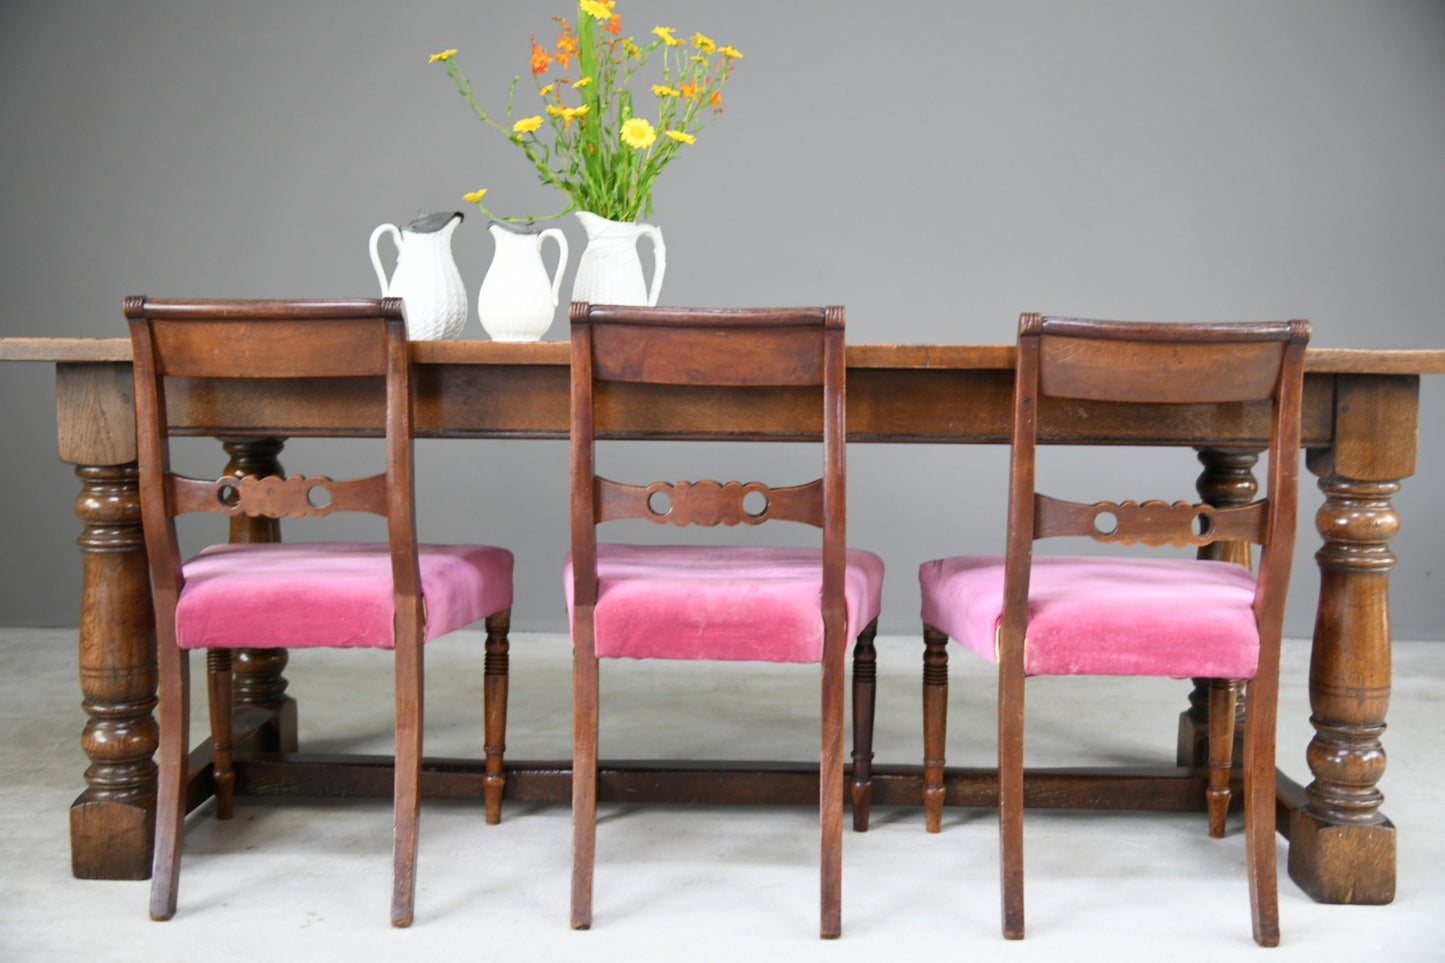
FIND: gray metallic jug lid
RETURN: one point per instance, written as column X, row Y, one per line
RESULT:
column 518, row 227
column 431, row 223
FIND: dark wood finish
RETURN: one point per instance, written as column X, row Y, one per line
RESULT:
column 218, row 697
column 865, row 701
column 708, row 503
column 718, row 353
column 494, row 706
column 1350, row 665
column 1361, row 401
column 690, row 782
column 112, row 823
column 251, row 340
column 1124, row 363
column 257, row 675
column 1223, row 694
column 1227, row 479
column 935, row 726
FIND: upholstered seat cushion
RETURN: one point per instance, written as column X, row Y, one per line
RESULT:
column 330, row 594
column 1105, row 615
column 722, row 602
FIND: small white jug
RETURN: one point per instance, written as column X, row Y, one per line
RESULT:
column 434, row 300
column 518, row 300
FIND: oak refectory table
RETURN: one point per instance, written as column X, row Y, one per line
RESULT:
column 1359, row 432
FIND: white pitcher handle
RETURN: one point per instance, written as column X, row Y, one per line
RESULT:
column 376, row 257
column 659, row 258
column 561, row 239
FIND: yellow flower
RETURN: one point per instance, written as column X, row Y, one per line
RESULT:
column 661, row 91
column 638, row 133
column 731, row 52
column 600, row 10
column 475, row 196
column 703, row 43
column 568, row 114
column 666, row 34
column 681, row 138
column 527, row 124
column 546, row 90
column 582, row 83
column 445, row 55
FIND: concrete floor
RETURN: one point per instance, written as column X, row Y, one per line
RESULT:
column 311, row 880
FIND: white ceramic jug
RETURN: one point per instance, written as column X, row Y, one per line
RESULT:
column 610, row 270
column 434, row 300
column 518, row 300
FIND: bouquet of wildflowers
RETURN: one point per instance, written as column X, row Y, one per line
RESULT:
column 591, row 140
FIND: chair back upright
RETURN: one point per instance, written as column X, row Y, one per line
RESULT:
column 1074, row 361
column 714, row 356
column 321, row 339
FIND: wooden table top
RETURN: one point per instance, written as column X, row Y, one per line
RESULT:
column 1386, row 361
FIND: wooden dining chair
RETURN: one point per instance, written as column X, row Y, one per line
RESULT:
column 661, row 373
column 394, row 594
column 1125, row 614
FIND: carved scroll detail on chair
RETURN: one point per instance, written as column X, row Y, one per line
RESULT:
column 1154, row 522
column 296, row 496
column 710, row 503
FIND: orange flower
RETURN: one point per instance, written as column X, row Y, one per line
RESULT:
column 687, row 89
column 540, row 58
column 613, row 26
column 566, row 49
column 716, row 99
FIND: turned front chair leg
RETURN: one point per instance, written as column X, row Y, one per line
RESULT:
column 218, row 686
column 495, row 709
column 1222, row 695
column 865, row 695
column 935, row 723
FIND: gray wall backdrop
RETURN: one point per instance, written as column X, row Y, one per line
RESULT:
column 937, row 167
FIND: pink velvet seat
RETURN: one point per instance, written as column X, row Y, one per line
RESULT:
column 673, row 367
column 1206, row 617
column 1166, row 617
column 334, row 594
column 733, row 602
column 257, row 593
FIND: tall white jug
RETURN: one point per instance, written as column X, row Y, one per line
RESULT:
column 610, row 269
column 518, row 300
column 434, row 300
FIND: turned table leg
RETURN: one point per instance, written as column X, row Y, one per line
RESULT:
column 1341, row 847
column 1227, row 479
column 112, row 823
column 257, row 678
